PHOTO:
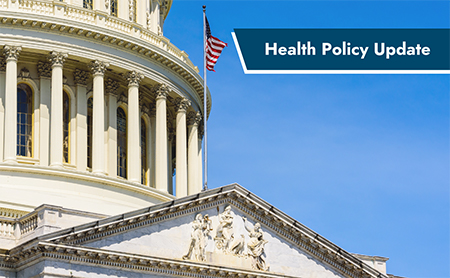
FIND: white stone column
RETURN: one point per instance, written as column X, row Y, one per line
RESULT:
column 98, row 116
column 45, row 74
column 133, row 120
column 152, row 147
column 111, row 90
column 162, row 10
column 181, row 149
column 154, row 16
column 170, row 168
column 56, row 113
column 141, row 12
column 123, row 10
column 80, row 79
column 10, row 140
column 161, row 169
column 193, row 183
column 145, row 110
column 2, row 104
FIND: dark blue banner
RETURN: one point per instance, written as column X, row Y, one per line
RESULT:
column 344, row 50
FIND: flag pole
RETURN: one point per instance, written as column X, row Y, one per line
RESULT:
column 205, row 111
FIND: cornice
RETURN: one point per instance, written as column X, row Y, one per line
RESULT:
column 125, row 261
column 261, row 211
column 119, row 33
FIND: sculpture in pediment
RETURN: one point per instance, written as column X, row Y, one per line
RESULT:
column 224, row 233
column 201, row 227
column 255, row 246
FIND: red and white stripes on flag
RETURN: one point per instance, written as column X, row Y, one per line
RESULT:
column 214, row 47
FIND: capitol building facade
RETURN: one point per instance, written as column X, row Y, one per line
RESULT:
column 101, row 158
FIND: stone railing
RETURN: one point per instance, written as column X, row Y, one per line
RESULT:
column 28, row 224
column 80, row 15
column 75, row 13
column 39, row 7
column 16, row 228
column 7, row 227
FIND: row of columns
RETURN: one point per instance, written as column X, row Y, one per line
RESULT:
column 104, row 157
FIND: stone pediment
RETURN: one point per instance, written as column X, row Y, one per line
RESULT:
column 228, row 227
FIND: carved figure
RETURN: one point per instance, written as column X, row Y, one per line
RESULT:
column 201, row 228
column 237, row 248
column 255, row 246
column 224, row 231
column 206, row 229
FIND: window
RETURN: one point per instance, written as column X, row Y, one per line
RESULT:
column 143, row 152
column 88, row 4
column 121, row 143
column 66, row 124
column 24, row 120
column 113, row 8
column 90, row 106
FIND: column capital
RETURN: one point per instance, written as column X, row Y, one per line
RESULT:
column 80, row 77
column 194, row 118
column 44, row 69
column 111, row 87
column 11, row 52
column 161, row 91
column 98, row 67
column 182, row 104
column 57, row 59
column 134, row 78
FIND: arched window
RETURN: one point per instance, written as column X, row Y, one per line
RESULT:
column 24, row 120
column 90, row 106
column 66, row 123
column 88, row 4
column 121, row 143
column 113, row 8
column 144, row 167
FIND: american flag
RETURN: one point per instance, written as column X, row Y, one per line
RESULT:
column 214, row 47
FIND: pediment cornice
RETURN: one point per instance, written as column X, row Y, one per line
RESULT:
column 125, row 261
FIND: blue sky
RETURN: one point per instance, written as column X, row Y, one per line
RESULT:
column 361, row 159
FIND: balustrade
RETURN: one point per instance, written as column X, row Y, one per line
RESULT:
column 80, row 14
